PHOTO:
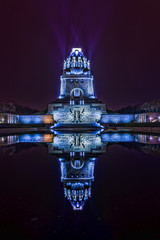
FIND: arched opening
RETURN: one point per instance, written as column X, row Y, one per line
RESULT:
column 77, row 164
column 76, row 96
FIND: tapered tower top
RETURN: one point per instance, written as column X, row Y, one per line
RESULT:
column 76, row 63
column 76, row 79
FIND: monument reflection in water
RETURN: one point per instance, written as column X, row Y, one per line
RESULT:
column 77, row 153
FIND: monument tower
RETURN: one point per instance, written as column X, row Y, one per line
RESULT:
column 77, row 105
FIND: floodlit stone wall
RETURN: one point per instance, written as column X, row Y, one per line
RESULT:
column 76, row 113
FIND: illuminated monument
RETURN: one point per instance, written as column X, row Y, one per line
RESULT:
column 77, row 105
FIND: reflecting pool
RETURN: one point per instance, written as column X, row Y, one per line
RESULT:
column 90, row 185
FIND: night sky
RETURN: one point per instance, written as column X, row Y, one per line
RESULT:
column 120, row 37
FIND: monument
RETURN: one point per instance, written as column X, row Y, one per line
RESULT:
column 77, row 106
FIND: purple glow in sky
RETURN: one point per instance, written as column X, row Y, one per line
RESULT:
column 121, row 38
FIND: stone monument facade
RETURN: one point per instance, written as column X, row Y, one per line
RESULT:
column 77, row 104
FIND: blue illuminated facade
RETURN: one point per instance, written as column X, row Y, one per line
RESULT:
column 31, row 119
column 117, row 118
column 76, row 79
column 77, row 105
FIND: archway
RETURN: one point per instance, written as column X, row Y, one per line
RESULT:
column 76, row 96
column 76, row 92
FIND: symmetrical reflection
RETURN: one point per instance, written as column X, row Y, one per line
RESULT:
column 77, row 174
column 77, row 153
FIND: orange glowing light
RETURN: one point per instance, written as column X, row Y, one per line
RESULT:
column 48, row 138
column 48, row 119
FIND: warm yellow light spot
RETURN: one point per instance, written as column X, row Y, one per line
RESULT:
column 155, row 120
column 48, row 119
column 48, row 138
column 1, row 141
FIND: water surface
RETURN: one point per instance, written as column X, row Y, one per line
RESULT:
column 80, row 186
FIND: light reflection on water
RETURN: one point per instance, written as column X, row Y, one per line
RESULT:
column 112, row 179
column 77, row 153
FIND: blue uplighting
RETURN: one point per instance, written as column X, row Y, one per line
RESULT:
column 31, row 119
column 117, row 118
